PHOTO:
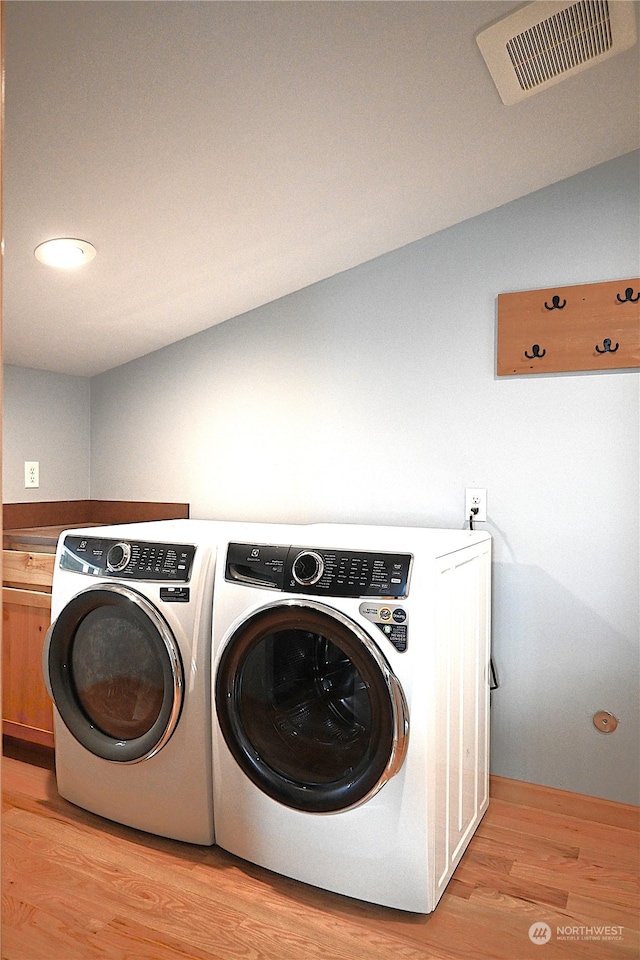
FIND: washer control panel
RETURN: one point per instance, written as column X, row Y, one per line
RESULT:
column 128, row 559
column 317, row 571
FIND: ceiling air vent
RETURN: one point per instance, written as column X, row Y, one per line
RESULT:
column 544, row 42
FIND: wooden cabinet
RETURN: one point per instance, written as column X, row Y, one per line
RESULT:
column 27, row 712
column 30, row 534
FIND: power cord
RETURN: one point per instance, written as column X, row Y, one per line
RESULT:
column 494, row 683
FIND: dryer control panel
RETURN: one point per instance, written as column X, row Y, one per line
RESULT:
column 128, row 559
column 319, row 571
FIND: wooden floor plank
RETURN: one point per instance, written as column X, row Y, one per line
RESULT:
column 77, row 887
column 590, row 910
column 582, row 877
column 559, row 828
column 483, row 872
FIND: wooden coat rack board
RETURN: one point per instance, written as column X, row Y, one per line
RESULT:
column 592, row 326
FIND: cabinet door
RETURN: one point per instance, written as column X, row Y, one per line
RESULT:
column 26, row 707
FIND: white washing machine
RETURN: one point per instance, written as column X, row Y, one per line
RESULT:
column 351, row 691
column 127, row 662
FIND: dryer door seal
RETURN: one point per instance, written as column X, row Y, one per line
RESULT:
column 309, row 707
column 114, row 672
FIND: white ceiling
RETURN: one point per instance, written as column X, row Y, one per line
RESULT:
column 220, row 155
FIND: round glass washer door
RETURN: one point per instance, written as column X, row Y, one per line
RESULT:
column 114, row 672
column 309, row 707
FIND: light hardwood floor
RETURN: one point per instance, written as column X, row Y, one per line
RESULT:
column 77, row 887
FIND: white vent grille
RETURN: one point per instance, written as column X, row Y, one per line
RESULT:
column 558, row 44
column 544, row 42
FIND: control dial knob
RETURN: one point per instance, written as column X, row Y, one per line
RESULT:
column 307, row 568
column 118, row 556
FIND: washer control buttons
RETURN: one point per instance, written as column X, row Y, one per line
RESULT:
column 135, row 560
column 347, row 573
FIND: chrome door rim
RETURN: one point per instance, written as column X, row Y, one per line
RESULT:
column 60, row 683
column 394, row 692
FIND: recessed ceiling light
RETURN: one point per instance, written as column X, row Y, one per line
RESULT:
column 65, row 252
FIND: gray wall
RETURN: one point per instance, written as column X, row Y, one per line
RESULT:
column 371, row 397
column 45, row 417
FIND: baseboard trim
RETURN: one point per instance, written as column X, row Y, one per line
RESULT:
column 571, row 804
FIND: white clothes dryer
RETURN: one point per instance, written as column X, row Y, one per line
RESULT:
column 127, row 662
column 351, row 691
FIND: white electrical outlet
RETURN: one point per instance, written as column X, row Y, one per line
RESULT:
column 475, row 504
column 32, row 473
